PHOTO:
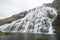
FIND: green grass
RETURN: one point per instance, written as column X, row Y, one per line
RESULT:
column 5, row 33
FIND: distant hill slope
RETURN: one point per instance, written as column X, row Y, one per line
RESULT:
column 13, row 18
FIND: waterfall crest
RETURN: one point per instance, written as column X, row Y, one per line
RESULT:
column 38, row 20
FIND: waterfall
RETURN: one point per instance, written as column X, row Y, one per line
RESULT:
column 38, row 20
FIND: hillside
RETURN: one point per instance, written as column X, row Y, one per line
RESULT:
column 13, row 18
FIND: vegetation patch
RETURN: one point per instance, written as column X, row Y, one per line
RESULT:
column 5, row 33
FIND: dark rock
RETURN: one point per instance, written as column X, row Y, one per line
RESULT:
column 56, row 23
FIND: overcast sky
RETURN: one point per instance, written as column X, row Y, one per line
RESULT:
column 11, row 7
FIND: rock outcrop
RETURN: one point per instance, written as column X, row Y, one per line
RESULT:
column 56, row 4
column 56, row 23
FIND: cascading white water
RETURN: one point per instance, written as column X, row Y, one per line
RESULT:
column 38, row 20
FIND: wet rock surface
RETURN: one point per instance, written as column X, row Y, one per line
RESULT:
column 56, row 23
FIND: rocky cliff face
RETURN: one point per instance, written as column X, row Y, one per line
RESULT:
column 56, row 23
